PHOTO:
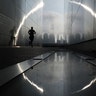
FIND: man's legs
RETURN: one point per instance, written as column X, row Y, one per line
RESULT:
column 31, row 41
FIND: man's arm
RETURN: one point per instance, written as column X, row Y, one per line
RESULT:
column 29, row 31
column 34, row 32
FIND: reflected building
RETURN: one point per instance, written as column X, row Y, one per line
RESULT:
column 52, row 38
column 45, row 38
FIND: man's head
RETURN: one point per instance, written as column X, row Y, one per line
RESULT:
column 31, row 28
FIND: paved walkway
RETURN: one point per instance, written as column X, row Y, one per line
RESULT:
column 61, row 74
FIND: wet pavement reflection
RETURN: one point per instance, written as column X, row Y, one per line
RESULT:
column 61, row 74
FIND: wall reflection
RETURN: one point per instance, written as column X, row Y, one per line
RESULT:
column 87, row 86
column 40, row 5
column 87, row 8
column 66, row 21
column 21, row 70
column 32, row 83
column 59, row 57
column 80, row 20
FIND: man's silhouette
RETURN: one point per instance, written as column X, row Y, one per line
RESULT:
column 31, row 33
column 12, row 41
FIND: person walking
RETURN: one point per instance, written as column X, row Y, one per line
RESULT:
column 31, row 33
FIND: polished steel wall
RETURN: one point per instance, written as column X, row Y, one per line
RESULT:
column 57, row 22
column 12, row 18
column 69, row 21
column 82, row 19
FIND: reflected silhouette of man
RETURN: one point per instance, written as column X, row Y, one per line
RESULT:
column 31, row 33
column 12, row 37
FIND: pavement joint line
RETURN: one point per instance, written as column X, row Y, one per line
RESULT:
column 31, row 67
column 87, row 60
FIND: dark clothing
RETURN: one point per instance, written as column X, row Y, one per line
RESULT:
column 31, row 32
column 31, row 36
